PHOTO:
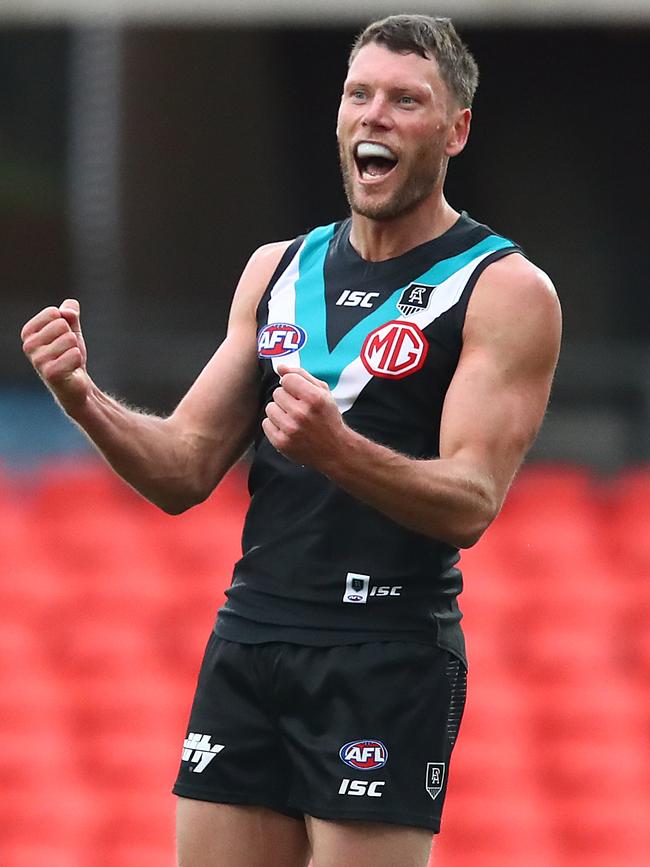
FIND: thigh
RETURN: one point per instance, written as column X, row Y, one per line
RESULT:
column 370, row 731
column 228, row 835
column 367, row 844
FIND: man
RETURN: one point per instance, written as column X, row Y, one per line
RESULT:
column 401, row 370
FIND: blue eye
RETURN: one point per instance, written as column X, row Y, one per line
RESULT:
column 407, row 100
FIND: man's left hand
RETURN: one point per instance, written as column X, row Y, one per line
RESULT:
column 302, row 421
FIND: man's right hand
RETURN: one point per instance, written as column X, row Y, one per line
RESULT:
column 53, row 342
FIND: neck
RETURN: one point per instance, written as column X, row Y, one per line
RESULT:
column 377, row 240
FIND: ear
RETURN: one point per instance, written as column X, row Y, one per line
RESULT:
column 459, row 132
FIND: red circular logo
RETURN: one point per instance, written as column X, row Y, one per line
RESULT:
column 394, row 350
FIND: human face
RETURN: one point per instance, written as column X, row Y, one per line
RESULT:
column 393, row 132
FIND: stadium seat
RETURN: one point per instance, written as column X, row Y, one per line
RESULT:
column 136, row 820
column 28, row 853
column 560, row 483
column 443, row 856
column 36, row 752
column 601, row 859
column 628, row 518
column 100, row 644
column 496, row 706
column 489, row 590
column 122, row 762
column 182, row 635
column 136, row 703
column 55, row 814
column 603, row 823
column 139, row 853
column 484, row 653
column 31, row 697
column 75, row 483
column 556, row 653
column 580, row 767
column 601, row 705
column 473, row 762
column 493, row 822
column 21, row 646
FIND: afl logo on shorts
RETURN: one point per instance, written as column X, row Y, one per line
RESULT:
column 280, row 338
column 394, row 350
column 364, row 755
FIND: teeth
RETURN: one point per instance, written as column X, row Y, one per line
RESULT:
column 370, row 149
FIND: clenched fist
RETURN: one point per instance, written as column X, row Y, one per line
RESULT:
column 302, row 421
column 53, row 342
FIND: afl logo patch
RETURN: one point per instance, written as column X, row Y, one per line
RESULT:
column 394, row 350
column 364, row 755
column 280, row 338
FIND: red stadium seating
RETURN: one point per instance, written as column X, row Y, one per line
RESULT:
column 28, row 853
column 107, row 605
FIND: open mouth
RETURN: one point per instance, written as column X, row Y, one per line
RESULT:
column 374, row 161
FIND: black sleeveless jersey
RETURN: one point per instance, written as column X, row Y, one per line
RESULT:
column 319, row 567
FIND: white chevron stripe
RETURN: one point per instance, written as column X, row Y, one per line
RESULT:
column 355, row 377
column 282, row 304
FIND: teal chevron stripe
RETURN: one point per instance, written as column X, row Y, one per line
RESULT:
column 311, row 309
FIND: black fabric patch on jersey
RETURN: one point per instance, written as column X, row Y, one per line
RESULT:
column 346, row 269
column 459, row 311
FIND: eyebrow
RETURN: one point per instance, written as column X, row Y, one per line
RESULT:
column 393, row 88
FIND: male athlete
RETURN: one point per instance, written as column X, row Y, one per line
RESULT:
column 392, row 370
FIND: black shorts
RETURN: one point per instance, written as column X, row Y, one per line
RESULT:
column 361, row 731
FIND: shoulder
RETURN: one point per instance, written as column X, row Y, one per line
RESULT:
column 256, row 276
column 267, row 258
column 514, row 304
column 513, row 286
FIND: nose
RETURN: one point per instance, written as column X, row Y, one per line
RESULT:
column 376, row 113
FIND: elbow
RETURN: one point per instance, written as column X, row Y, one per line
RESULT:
column 467, row 531
column 467, row 536
column 179, row 501
column 470, row 537
column 173, row 508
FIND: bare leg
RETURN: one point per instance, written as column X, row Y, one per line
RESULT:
column 229, row 835
column 367, row 844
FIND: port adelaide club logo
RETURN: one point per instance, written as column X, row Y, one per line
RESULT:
column 364, row 755
column 414, row 298
column 280, row 338
column 435, row 778
column 394, row 350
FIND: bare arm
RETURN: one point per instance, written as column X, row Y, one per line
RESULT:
column 175, row 462
column 492, row 412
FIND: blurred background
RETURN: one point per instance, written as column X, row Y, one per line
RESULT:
column 146, row 149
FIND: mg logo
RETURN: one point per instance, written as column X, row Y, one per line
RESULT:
column 394, row 350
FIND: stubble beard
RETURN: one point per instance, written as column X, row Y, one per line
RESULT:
column 417, row 187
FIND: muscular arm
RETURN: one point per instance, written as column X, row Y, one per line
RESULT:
column 492, row 412
column 175, row 462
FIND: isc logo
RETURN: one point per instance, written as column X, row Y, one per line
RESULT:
column 361, row 787
column 280, row 338
column 394, row 350
column 351, row 298
column 364, row 755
